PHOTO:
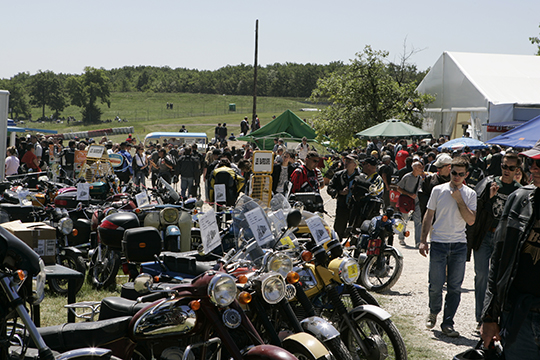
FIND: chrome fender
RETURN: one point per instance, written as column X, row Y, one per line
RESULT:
column 396, row 250
column 172, row 230
column 320, row 328
column 308, row 342
column 371, row 309
column 268, row 352
column 85, row 353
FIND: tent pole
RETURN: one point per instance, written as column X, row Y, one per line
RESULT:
column 254, row 115
column 4, row 102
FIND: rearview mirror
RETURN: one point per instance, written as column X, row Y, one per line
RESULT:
column 294, row 218
column 143, row 283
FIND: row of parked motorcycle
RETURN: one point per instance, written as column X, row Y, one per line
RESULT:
column 292, row 294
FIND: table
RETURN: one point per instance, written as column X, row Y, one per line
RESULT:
column 57, row 271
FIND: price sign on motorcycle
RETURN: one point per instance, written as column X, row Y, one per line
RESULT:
column 258, row 223
column 83, row 191
column 263, row 162
column 209, row 231
column 95, row 151
column 318, row 230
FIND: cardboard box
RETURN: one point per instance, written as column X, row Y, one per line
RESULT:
column 39, row 236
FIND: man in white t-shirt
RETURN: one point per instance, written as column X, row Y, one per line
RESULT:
column 453, row 205
column 302, row 149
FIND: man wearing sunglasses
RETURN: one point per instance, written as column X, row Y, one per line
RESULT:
column 492, row 193
column 453, row 206
column 512, row 306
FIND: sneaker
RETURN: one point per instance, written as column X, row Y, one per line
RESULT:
column 449, row 331
column 402, row 242
column 431, row 321
column 478, row 326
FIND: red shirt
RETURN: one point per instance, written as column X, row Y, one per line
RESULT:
column 28, row 159
column 400, row 158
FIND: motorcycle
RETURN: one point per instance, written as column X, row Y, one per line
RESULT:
column 381, row 263
column 22, row 281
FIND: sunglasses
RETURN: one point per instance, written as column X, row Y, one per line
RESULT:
column 455, row 173
column 508, row 167
column 531, row 162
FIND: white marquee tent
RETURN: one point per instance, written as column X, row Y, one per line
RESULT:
column 480, row 89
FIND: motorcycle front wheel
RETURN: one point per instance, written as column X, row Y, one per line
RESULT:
column 102, row 273
column 380, row 277
column 380, row 336
column 72, row 261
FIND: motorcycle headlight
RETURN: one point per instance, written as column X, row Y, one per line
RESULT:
column 398, row 226
column 169, row 215
column 272, row 287
column 222, row 290
column 65, row 225
column 278, row 262
column 348, row 271
column 38, row 285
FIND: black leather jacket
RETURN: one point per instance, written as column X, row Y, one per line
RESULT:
column 513, row 229
column 339, row 182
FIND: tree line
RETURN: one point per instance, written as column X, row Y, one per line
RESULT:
column 56, row 91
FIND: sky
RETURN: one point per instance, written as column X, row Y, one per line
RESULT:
column 67, row 36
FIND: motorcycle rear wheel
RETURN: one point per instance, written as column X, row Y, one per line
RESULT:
column 102, row 274
column 381, row 336
column 72, row 261
column 381, row 280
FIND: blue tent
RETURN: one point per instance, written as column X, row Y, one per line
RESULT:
column 460, row 143
column 523, row 136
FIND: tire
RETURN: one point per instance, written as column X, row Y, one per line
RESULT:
column 381, row 280
column 338, row 349
column 103, row 275
column 381, row 336
column 72, row 261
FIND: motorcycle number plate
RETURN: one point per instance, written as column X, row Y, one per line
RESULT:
column 399, row 227
column 353, row 270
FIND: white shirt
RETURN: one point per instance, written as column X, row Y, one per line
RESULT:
column 449, row 225
column 12, row 165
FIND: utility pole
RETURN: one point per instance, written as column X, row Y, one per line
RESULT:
column 255, row 74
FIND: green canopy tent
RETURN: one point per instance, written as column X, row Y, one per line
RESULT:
column 287, row 126
column 393, row 128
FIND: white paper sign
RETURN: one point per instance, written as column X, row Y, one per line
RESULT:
column 83, row 191
column 220, row 193
column 263, row 162
column 142, row 199
column 279, row 220
column 23, row 195
column 209, row 231
column 317, row 229
column 258, row 223
column 95, row 151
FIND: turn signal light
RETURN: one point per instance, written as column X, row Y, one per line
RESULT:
column 142, row 245
column 384, row 218
column 407, row 233
column 137, row 211
column 156, row 279
column 293, row 277
column 348, row 244
column 195, row 305
column 21, row 275
column 244, row 298
column 242, row 279
column 75, row 232
column 307, row 256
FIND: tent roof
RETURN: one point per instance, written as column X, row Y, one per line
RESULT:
column 523, row 136
column 393, row 128
column 473, row 80
column 287, row 125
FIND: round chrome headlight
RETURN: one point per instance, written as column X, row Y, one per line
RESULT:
column 398, row 226
column 272, row 287
column 38, row 284
column 348, row 271
column 65, row 225
column 278, row 262
column 169, row 215
column 222, row 290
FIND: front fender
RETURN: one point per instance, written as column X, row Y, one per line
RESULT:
column 308, row 343
column 85, row 353
column 72, row 250
column 268, row 352
column 320, row 328
column 172, row 230
column 396, row 250
column 370, row 309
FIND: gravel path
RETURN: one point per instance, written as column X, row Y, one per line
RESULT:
column 409, row 298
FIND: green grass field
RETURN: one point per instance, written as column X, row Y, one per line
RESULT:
column 147, row 112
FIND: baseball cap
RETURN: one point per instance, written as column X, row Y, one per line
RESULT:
column 370, row 160
column 442, row 160
column 534, row 152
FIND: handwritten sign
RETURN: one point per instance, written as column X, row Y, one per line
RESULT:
column 95, row 151
column 209, row 231
column 263, row 162
column 83, row 191
column 317, row 229
column 258, row 223
column 220, row 193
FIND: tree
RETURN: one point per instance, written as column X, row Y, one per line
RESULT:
column 85, row 90
column 46, row 90
column 536, row 41
column 18, row 102
column 362, row 95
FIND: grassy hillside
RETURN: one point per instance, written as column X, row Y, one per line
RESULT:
column 147, row 112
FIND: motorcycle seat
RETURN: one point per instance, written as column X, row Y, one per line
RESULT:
column 114, row 307
column 72, row 336
column 187, row 263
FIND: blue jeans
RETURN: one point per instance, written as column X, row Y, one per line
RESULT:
column 482, row 258
column 139, row 178
column 185, row 186
column 446, row 264
column 527, row 344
